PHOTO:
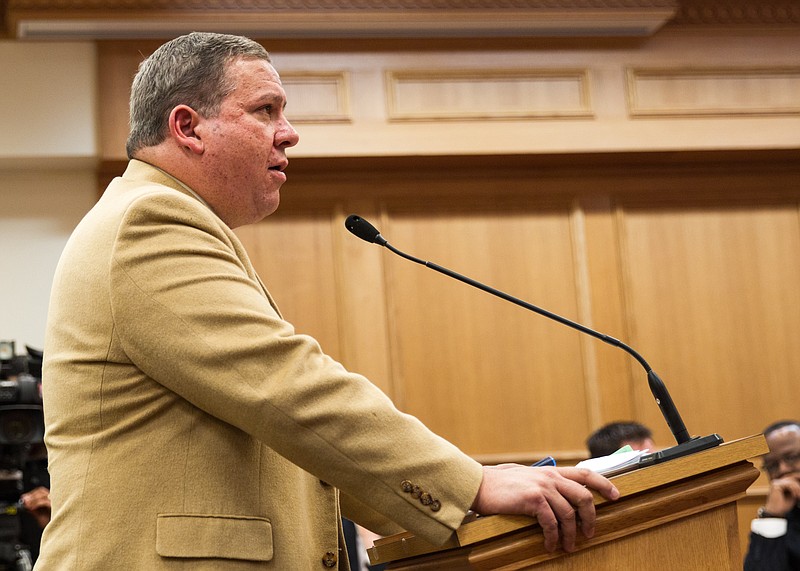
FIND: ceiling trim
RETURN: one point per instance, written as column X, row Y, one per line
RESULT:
column 134, row 19
column 384, row 19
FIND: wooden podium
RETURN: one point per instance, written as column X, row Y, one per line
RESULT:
column 679, row 514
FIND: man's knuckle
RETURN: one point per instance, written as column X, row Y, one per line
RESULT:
column 547, row 526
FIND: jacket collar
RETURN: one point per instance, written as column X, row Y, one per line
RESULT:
column 140, row 170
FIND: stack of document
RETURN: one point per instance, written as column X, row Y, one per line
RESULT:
column 622, row 460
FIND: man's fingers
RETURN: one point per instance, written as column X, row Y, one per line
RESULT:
column 558, row 497
column 570, row 502
column 582, row 502
column 587, row 515
column 549, row 523
column 789, row 487
column 567, row 521
column 592, row 480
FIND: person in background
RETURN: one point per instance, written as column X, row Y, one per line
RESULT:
column 37, row 503
column 188, row 425
column 34, row 517
column 775, row 534
column 611, row 437
column 23, row 458
column 358, row 540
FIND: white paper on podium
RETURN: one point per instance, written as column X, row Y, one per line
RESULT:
column 613, row 463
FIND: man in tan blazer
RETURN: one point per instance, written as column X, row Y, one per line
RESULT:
column 188, row 425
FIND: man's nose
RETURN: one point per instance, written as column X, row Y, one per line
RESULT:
column 287, row 136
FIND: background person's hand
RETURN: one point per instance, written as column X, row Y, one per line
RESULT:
column 783, row 494
column 559, row 498
column 37, row 503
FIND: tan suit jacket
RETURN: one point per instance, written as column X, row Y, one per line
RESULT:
column 189, row 427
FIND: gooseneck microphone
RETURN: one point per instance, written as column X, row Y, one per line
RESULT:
column 686, row 444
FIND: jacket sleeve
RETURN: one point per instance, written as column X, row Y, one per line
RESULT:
column 766, row 554
column 360, row 513
column 191, row 314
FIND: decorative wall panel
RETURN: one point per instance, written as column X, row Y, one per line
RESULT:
column 317, row 97
column 481, row 94
column 676, row 92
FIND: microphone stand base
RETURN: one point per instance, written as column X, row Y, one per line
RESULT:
column 696, row 444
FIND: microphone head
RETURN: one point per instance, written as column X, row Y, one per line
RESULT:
column 363, row 229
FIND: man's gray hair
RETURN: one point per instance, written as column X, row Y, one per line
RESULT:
column 189, row 70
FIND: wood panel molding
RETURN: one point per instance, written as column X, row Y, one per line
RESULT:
column 713, row 91
column 318, row 97
column 450, row 94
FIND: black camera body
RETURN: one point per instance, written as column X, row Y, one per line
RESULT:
column 21, row 412
column 21, row 430
column 21, row 416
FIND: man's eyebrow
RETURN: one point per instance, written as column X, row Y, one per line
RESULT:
column 272, row 97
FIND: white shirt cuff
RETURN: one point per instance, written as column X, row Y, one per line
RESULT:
column 769, row 527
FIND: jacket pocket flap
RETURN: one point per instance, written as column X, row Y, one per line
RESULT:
column 228, row 537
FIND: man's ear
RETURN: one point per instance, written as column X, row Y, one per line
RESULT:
column 183, row 121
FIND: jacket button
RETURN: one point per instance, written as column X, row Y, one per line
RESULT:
column 329, row 559
column 435, row 506
column 426, row 499
column 416, row 492
column 406, row 486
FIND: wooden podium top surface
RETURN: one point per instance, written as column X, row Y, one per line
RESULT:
column 404, row 545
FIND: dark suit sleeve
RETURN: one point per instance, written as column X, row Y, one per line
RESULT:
column 767, row 554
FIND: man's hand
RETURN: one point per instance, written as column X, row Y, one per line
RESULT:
column 557, row 497
column 783, row 495
column 37, row 502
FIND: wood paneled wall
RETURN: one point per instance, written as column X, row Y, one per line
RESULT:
column 692, row 260
column 697, row 271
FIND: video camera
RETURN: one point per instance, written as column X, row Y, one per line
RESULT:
column 21, row 429
column 21, row 414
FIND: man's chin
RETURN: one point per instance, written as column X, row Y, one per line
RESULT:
column 268, row 207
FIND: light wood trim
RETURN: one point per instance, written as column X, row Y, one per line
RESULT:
column 703, row 540
column 616, row 371
column 583, row 293
column 361, row 281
